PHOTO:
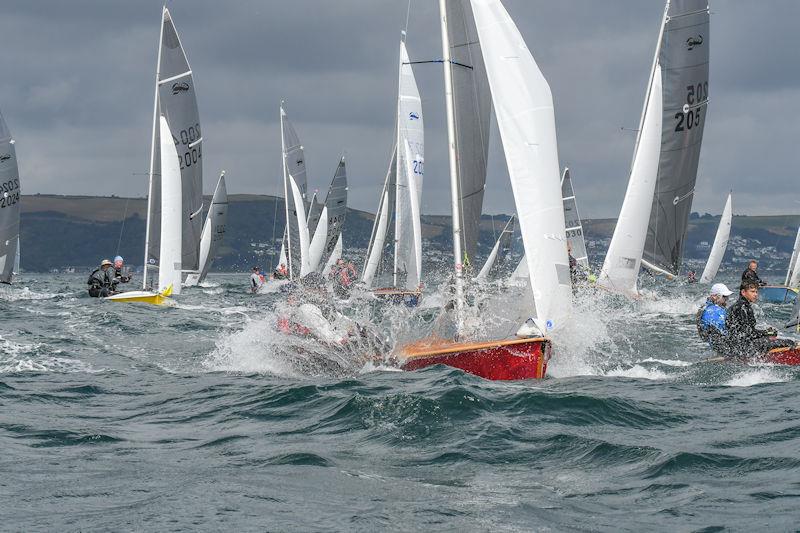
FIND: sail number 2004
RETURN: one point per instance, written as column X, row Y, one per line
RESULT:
column 695, row 95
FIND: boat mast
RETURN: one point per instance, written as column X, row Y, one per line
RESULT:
column 451, row 145
column 286, row 197
column 153, row 150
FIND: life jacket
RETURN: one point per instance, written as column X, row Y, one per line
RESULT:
column 702, row 330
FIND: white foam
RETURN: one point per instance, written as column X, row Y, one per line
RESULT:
column 637, row 372
column 757, row 376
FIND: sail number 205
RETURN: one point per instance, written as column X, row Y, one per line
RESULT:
column 689, row 117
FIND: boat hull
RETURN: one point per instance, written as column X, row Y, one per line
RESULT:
column 777, row 295
column 498, row 360
column 147, row 297
column 782, row 356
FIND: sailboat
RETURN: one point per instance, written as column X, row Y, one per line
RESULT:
column 779, row 294
column 175, row 201
column 9, row 205
column 401, row 197
column 331, row 220
column 575, row 239
column 525, row 116
column 296, row 241
column 213, row 232
column 500, row 250
column 652, row 224
column 720, row 244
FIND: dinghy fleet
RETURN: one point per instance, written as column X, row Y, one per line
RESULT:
column 489, row 73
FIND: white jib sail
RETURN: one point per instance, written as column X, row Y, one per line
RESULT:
column 409, row 174
column 169, row 271
column 523, row 106
column 521, row 272
column 335, row 256
column 302, row 227
column 317, row 246
column 213, row 232
column 720, row 244
column 624, row 257
column 793, row 274
column 378, row 240
column 503, row 241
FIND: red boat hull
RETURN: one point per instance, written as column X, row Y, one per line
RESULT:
column 498, row 360
column 783, row 356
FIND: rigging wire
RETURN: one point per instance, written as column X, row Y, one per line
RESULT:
column 122, row 228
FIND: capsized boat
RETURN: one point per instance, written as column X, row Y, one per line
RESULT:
column 401, row 196
column 9, row 205
column 525, row 118
column 652, row 224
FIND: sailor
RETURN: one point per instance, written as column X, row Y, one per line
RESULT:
column 744, row 340
column 711, row 318
column 281, row 272
column 121, row 274
column 751, row 275
column 102, row 281
column 691, row 277
column 256, row 280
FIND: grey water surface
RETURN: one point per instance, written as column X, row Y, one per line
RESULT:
column 204, row 417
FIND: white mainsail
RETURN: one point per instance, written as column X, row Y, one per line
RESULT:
column 525, row 116
column 624, row 257
column 409, row 176
column 720, row 244
column 213, row 232
column 9, row 205
column 793, row 273
column 175, row 102
column 499, row 251
column 401, row 196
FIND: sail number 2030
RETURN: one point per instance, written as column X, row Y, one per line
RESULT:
column 695, row 96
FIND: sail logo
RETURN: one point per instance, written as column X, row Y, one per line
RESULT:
column 413, row 116
column 691, row 42
column 180, row 87
column 5, row 157
column 299, row 162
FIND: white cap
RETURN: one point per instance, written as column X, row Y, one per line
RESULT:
column 719, row 289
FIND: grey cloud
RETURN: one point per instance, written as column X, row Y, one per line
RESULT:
column 76, row 90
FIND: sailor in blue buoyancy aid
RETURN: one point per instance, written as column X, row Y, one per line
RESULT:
column 711, row 319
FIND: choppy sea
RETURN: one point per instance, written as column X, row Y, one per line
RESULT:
column 204, row 417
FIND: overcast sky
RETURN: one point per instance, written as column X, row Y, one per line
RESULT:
column 77, row 92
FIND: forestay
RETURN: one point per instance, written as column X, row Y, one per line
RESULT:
column 177, row 103
column 572, row 220
column 525, row 117
column 331, row 220
column 683, row 55
column 409, row 176
column 9, row 203
column 472, row 107
column 720, row 243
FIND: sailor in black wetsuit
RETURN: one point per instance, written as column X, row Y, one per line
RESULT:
column 744, row 339
column 751, row 275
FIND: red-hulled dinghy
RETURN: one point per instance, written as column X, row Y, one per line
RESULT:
column 494, row 360
column 782, row 356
